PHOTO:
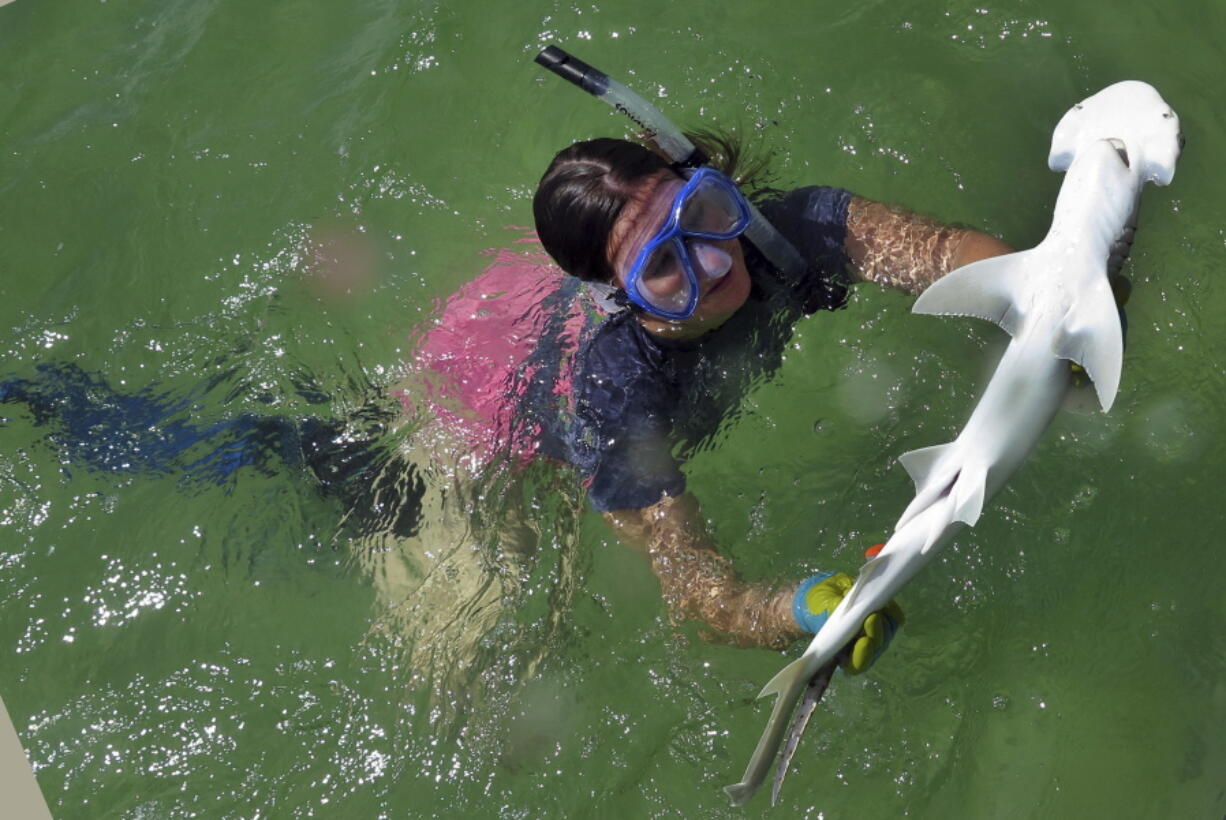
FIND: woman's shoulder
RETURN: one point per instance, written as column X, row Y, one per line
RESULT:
column 822, row 206
column 814, row 219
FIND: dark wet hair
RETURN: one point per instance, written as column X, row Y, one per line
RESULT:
column 580, row 197
column 586, row 186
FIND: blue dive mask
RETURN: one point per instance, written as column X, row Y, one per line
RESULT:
column 664, row 278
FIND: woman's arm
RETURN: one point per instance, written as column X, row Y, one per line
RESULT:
column 698, row 583
column 897, row 248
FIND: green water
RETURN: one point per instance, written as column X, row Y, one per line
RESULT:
column 177, row 649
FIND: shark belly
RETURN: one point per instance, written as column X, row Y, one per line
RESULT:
column 1019, row 403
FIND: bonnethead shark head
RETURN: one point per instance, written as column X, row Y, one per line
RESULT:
column 1135, row 118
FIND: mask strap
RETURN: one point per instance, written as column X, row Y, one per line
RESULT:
column 608, row 298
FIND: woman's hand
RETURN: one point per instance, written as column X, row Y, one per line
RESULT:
column 698, row 583
column 818, row 596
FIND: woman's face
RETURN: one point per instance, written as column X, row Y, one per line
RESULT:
column 640, row 220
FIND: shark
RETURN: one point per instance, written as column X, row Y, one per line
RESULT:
column 1056, row 303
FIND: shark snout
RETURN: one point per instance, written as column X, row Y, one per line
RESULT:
column 1136, row 120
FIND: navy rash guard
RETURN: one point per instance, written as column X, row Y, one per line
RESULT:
column 642, row 404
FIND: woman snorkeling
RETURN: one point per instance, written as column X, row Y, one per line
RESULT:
column 699, row 312
column 672, row 305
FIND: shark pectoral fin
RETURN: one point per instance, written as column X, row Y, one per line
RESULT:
column 789, row 685
column 1090, row 335
column 992, row 289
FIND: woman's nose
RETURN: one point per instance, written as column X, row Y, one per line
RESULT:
column 712, row 260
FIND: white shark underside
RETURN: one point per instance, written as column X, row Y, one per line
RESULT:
column 1055, row 300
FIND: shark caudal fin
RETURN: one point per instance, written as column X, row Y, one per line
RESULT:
column 1091, row 336
column 993, row 289
column 789, row 685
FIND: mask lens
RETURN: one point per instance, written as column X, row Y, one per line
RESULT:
column 711, row 260
column 712, row 209
column 663, row 282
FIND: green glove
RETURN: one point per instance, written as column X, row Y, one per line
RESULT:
column 818, row 596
